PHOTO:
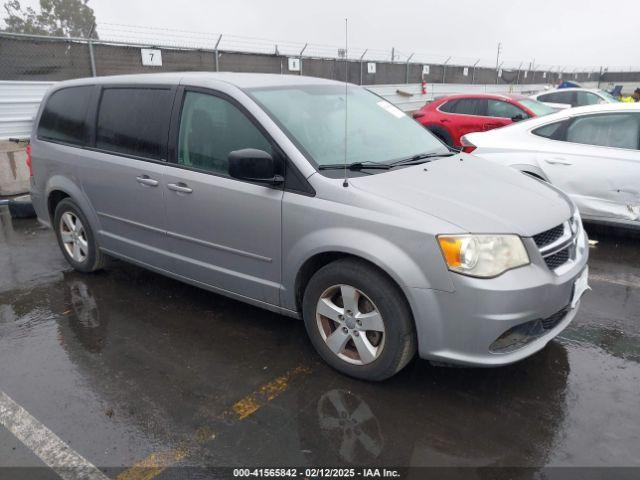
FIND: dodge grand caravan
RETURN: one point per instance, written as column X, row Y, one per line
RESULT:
column 237, row 183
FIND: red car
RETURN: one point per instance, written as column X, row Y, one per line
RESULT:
column 451, row 117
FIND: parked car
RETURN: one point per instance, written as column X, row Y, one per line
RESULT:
column 591, row 153
column 574, row 97
column 236, row 183
column 453, row 116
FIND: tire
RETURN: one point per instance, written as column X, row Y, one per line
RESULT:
column 386, row 352
column 443, row 135
column 90, row 258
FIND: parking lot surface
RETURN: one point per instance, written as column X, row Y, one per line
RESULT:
column 128, row 368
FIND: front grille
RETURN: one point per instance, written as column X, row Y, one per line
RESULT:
column 558, row 244
column 557, row 259
column 547, row 238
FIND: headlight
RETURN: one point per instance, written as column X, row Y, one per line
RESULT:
column 483, row 255
column 576, row 222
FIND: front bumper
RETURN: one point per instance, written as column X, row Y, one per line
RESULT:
column 461, row 327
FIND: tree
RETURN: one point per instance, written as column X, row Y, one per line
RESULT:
column 64, row 18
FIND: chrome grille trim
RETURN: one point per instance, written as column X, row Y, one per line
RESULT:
column 567, row 242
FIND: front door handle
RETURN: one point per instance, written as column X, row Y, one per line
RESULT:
column 179, row 187
column 145, row 180
column 557, row 161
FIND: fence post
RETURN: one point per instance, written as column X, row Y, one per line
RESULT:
column 92, row 58
column 361, row 60
column 215, row 52
column 406, row 80
column 473, row 73
column 444, row 68
column 300, row 58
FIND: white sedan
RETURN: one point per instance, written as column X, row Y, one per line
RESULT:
column 574, row 97
column 592, row 153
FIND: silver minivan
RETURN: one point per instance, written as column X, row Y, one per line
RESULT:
column 316, row 200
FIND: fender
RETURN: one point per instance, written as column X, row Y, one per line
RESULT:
column 66, row 185
column 387, row 256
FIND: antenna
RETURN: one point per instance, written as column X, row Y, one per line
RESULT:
column 346, row 97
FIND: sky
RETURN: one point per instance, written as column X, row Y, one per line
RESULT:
column 569, row 33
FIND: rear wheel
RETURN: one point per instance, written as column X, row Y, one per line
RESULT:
column 75, row 237
column 358, row 320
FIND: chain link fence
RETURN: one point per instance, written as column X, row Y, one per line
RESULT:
column 33, row 57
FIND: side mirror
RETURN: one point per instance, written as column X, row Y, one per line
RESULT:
column 254, row 165
column 517, row 118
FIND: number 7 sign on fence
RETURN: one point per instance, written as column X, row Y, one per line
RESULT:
column 151, row 57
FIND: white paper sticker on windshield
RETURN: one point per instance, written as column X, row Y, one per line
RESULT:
column 393, row 110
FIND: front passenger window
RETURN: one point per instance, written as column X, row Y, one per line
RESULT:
column 211, row 128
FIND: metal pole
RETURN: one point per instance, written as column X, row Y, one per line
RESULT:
column 92, row 57
column 498, row 60
column 215, row 52
column 599, row 77
column 518, row 76
column 361, row 61
column 393, row 54
column 407, row 73
column 473, row 73
column 498, row 72
column 300, row 57
column 444, row 68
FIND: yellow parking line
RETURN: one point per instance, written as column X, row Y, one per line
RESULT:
column 254, row 401
column 157, row 462
column 153, row 465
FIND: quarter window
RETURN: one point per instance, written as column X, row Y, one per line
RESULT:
column 210, row 129
column 621, row 130
column 64, row 115
column 448, row 107
column 553, row 131
column 134, row 121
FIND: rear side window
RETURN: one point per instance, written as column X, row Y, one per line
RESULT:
column 470, row 106
column 64, row 116
column 557, row 97
column 620, row 130
column 134, row 121
column 586, row 98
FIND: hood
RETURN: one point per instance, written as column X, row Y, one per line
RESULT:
column 476, row 195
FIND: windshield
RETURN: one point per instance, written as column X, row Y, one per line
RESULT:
column 540, row 109
column 608, row 97
column 313, row 116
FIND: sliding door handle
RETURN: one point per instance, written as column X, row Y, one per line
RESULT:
column 179, row 187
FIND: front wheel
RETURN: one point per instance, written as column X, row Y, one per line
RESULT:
column 358, row 320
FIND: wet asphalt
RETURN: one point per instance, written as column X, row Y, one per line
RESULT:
column 128, row 366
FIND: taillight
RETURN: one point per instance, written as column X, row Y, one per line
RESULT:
column 29, row 164
column 467, row 146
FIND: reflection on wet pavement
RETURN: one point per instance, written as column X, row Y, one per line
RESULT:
column 124, row 363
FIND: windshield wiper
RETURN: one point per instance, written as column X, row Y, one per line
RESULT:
column 355, row 166
column 420, row 158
